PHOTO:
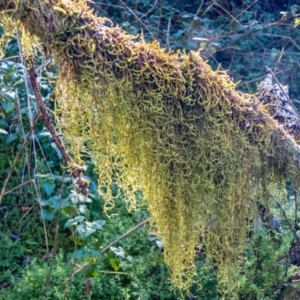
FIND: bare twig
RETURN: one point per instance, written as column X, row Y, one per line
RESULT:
column 55, row 246
column 232, row 17
column 279, row 59
column 296, row 210
column 18, row 186
column 76, row 171
column 168, row 33
column 125, row 234
column 292, row 228
column 81, row 267
column 148, row 12
column 12, row 168
column 138, row 19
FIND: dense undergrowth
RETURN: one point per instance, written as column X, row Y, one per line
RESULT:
column 51, row 237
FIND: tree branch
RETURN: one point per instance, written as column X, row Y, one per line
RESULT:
column 76, row 170
column 104, row 45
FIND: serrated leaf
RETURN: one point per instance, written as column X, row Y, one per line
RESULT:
column 81, row 229
column 86, row 252
column 41, row 201
column 54, row 201
column 47, row 215
column 8, row 106
column 87, row 232
column 65, row 203
column 48, row 188
column 88, row 228
column 83, row 209
column 74, row 221
column 95, row 253
column 79, row 198
column 118, row 251
column 79, row 253
column 98, row 224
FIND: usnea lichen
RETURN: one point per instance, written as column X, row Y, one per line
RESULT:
column 166, row 124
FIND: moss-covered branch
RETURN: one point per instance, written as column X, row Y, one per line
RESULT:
column 166, row 124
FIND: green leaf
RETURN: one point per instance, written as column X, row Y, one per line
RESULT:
column 79, row 253
column 47, row 215
column 54, row 202
column 70, row 211
column 114, row 263
column 84, row 210
column 81, row 229
column 85, row 232
column 3, row 123
column 76, row 240
column 74, row 221
column 78, row 198
column 8, row 106
column 65, row 203
column 86, row 252
column 118, row 251
column 96, row 224
column 11, row 137
column 89, row 271
column 95, row 253
column 48, row 188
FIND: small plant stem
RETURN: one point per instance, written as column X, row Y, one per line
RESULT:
column 125, row 234
column 18, row 186
column 81, row 267
column 296, row 210
column 292, row 228
column 17, row 158
column 55, row 246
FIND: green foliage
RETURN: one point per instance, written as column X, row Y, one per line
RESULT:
column 239, row 36
column 33, row 284
column 134, row 268
column 265, row 272
column 12, row 254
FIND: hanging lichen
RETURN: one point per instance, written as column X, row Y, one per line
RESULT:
column 166, row 124
column 10, row 30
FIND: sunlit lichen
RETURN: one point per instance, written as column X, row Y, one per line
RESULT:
column 166, row 124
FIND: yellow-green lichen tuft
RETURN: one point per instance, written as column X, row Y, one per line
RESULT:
column 166, row 124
